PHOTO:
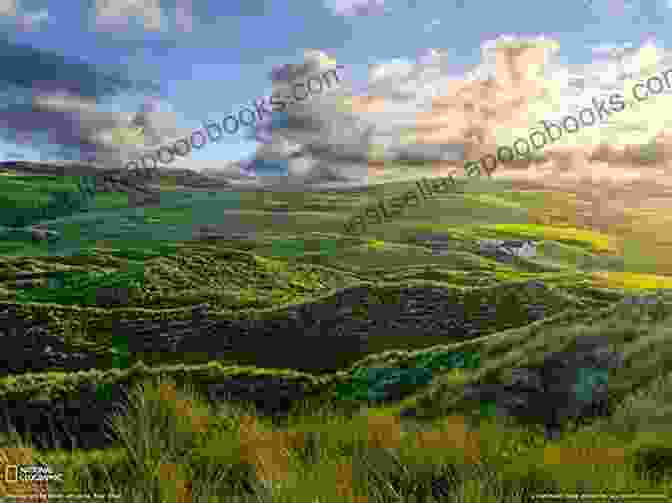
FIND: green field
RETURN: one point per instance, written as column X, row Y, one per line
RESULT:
column 345, row 439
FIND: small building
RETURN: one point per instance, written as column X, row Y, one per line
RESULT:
column 507, row 249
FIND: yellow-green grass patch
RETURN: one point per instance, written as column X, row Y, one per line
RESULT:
column 631, row 281
column 596, row 241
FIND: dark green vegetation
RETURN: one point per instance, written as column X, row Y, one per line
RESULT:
column 347, row 436
column 80, row 288
column 21, row 205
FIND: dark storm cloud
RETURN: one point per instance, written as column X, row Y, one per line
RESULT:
column 37, row 73
column 42, row 71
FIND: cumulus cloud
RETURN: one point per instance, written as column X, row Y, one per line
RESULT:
column 155, row 125
column 418, row 118
column 62, row 114
column 339, row 138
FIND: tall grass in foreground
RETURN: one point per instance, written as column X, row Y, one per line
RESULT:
column 176, row 448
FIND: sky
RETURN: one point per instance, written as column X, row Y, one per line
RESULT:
column 77, row 71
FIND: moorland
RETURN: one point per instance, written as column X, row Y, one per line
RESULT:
column 372, row 341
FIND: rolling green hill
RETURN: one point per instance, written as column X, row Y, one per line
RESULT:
column 271, row 252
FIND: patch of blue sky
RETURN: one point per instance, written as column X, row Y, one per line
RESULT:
column 270, row 167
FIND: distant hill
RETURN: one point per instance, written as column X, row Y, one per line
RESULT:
column 54, row 168
column 119, row 180
column 192, row 179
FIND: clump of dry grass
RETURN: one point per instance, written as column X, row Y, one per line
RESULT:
column 179, row 488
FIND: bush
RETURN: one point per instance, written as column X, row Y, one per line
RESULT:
column 589, row 379
column 82, row 288
column 449, row 361
column 380, row 384
column 653, row 460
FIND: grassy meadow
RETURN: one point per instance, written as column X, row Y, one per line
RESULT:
column 347, row 443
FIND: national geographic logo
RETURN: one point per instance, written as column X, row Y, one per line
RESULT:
column 31, row 473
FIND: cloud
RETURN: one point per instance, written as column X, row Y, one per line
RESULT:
column 47, row 113
column 183, row 15
column 331, row 138
column 8, row 7
column 419, row 119
column 34, row 69
column 166, row 22
column 613, row 50
column 155, row 119
column 115, row 14
column 356, row 7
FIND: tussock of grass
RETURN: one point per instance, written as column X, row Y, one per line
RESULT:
column 174, row 445
column 631, row 281
column 173, row 442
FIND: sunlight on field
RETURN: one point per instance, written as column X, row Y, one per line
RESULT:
column 376, row 244
column 614, row 279
column 556, row 456
column 494, row 200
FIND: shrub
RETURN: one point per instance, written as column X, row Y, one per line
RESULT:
column 380, row 384
column 653, row 459
column 449, row 361
column 589, row 379
column 83, row 288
